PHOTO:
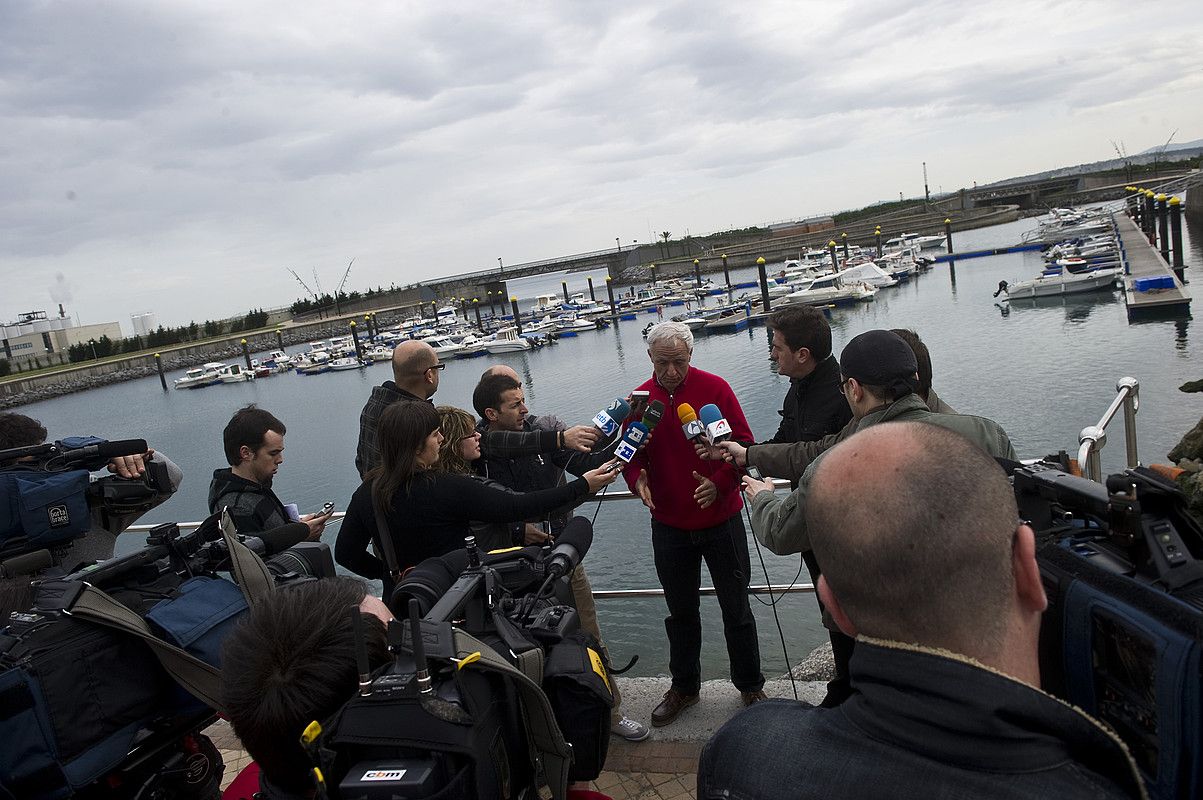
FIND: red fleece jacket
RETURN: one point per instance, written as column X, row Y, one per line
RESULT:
column 670, row 461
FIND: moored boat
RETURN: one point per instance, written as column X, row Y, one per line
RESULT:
column 196, row 377
column 234, row 373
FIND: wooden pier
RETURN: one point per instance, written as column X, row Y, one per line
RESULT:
column 1141, row 263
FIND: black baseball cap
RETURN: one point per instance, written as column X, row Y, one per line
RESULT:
column 879, row 358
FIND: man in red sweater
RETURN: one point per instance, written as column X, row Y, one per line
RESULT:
column 695, row 509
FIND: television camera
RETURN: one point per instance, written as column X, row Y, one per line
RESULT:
column 98, row 712
column 1122, row 638
column 48, row 498
column 493, row 688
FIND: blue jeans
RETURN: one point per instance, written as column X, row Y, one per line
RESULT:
column 679, row 555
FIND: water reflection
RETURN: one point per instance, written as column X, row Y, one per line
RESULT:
column 1077, row 308
column 1180, row 327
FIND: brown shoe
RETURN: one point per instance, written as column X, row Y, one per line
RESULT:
column 671, row 707
column 753, row 697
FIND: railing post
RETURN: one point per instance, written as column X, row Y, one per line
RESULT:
column 1176, row 237
column 1131, row 389
column 1091, row 441
column 1163, row 228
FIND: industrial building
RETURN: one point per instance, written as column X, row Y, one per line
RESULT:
column 35, row 335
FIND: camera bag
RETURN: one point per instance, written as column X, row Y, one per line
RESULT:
column 40, row 509
column 79, row 687
column 576, row 680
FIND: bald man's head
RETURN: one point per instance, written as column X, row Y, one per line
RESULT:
column 913, row 527
column 412, row 362
column 501, row 369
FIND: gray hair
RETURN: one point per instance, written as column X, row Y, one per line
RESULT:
column 664, row 332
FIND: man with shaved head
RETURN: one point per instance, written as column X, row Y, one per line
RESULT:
column 925, row 562
column 416, row 369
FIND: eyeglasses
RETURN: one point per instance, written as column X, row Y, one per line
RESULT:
column 440, row 365
column 470, row 436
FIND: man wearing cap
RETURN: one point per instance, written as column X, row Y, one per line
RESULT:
column 879, row 381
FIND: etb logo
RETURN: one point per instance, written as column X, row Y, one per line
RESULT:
column 59, row 516
column 383, row 775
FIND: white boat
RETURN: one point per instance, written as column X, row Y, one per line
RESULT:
column 197, row 377
column 1056, row 281
column 868, row 273
column 471, row 346
column 693, row 323
column 235, row 373
column 507, row 340
column 828, row 290
column 312, row 363
column 344, row 363
column 569, row 322
column 444, row 346
column 379, row 353
column 546, row 304
column 279, row 358
column 930, row 242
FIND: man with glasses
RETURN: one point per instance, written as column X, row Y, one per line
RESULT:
column 416, row 370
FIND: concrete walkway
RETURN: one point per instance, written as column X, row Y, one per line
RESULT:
column 663, row 767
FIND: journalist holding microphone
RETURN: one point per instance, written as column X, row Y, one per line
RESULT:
column 426, row 513
column 695, row 507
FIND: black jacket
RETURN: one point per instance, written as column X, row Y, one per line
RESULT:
column 367, row 454
column 920, row 724
column 253, row 507
column 814, row 406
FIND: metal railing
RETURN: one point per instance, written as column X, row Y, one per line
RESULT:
column 599, row 594
column 1093, row 438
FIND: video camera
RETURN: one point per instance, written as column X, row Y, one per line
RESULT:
column 1122, row 638
column 491, row 675
column 47, row 497
column 98, row 712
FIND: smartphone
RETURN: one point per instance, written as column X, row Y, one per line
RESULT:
column 639, row 402
column 754, row 474
column 327, row 509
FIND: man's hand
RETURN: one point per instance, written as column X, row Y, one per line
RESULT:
column 581, row 438
column 706, row 493
column 602, row 476
column 533, row 534
column 317, row 524
column 644, row 491
column 130, row 466
column 734, row 453
column 753, row 487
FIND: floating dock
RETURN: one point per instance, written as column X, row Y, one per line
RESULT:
column 1144, row 267
column 994, row 251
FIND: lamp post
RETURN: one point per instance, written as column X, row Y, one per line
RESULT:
column 500, row 266
column 618, row 244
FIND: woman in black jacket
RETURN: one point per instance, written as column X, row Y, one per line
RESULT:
column 426, row 512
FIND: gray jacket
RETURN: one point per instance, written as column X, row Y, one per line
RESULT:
column 779, row 523
column 789, row 461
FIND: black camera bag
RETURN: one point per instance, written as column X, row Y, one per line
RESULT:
column 577, row 682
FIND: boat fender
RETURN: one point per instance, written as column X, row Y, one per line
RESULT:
column 1002, row 287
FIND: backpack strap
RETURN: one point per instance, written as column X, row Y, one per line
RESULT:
column 548, row 741
column 248, row 570
column 384, row 540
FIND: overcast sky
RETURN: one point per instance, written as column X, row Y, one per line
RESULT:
column 179, row 157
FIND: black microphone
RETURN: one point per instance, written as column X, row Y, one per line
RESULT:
column 571, row 546
column 109, row 450
column 653, row 415
column 280, row 539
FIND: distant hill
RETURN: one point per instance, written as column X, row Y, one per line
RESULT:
column 1173, row 146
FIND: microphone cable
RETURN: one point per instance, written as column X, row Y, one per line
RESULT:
column 774, row 600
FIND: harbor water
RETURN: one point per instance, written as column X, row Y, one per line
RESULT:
column 1043, row 369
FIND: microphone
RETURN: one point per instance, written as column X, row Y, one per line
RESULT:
column 26, row 564
column 717, row 427
column 690, row 425
column 609, row 418
column 630, row 443
column 653, row 415
column 280, row 539
column 571, row 546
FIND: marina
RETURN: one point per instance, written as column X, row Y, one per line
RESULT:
column 1041, row 367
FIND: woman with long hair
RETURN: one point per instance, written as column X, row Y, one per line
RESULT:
column 425, row 511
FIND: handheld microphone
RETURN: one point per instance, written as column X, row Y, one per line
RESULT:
column 634, row 438
column 571, row 546
column 717, row 427
column 690, row 425
column 653, row 415
column 609, row 418
column 280, row 539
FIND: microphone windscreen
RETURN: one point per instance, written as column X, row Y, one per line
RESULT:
column 710, row 414
column 619, row 410
column 653, row 415
column 578, row 533
column 686, row 414
column 122, row 447
column 279, row 539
